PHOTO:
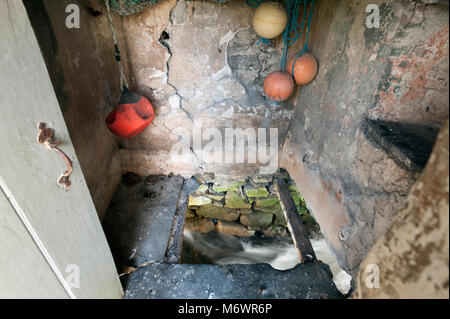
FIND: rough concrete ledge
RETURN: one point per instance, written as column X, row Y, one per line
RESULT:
column 257, row 281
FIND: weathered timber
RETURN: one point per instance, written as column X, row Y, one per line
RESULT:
column 173, row 251
column 295, row 224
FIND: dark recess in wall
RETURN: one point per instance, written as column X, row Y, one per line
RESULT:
column 48, row 44
column 409, row 144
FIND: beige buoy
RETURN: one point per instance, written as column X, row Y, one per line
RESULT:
column 270, row 19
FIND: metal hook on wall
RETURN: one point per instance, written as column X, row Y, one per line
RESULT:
column 46, row 136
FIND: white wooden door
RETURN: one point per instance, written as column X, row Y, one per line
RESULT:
column 51, row 240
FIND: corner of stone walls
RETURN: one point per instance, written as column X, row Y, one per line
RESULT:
column 352, row 186
column 411, row 259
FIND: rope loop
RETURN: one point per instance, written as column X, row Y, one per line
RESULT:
column 263, row 40
column 305, row 47
column 294, row 30
column 123, row 79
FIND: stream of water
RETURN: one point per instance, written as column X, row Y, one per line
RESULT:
column 280, row 253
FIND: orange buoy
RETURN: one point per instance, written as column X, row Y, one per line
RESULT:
column 278, row 85
column 305, row 68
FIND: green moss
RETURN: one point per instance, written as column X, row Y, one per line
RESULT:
column 222, row 189
column 245, row 211
column 302, row 210
column 219, row 189
column 218, row 212
column 308, row 219
column 199, row 200
column 190, row 213
column 253, row 191
column 202, row 189
column 216, row 196
column 237, row 184
column 256, row 219
column 234, row 199
column 280, row 219
column 267, row 202
column 273, row 209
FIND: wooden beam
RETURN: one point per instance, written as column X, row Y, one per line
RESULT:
column 174, row 246
column 295, row 224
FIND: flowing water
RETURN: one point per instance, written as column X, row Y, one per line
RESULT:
column 280, row 253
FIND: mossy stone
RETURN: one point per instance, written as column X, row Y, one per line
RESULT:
column 245, row 211
column 222, row 189
column 220, row 203
column 219, row 189
column 293, row 188
column 202, row 189
column 308, row 219
column 267, row 201
column 280, row 219
column 190, row 213
column 224, row 185
column 262, row 179
column 199, row 200
column 234, row 199
column 302, row 210
column 282, row 174
column 216, row 196
column 218, row 213
column 272, row 209
column 253, row 191
column 256, row 219
column 208, row 177
column 274, row 230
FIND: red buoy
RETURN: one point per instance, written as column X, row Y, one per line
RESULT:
column 133, row 114
column 278, row 85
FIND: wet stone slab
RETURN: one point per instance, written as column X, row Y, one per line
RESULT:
column 182, row 281
column 139, row 220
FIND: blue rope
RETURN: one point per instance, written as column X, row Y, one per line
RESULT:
column 263, row 40
column 253, row 3
column 292, row 26
column 293, row 10
column 305, row 47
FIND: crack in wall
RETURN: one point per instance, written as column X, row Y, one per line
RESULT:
column 165, row 35
column 188, row 145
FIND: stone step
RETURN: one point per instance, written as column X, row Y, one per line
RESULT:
column 257, row 281
column 140, row 218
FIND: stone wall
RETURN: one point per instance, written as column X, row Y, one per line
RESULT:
column 398, row 72
column 412, row 257
column 198, row 61
column 84, row 74
column 242, row 206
